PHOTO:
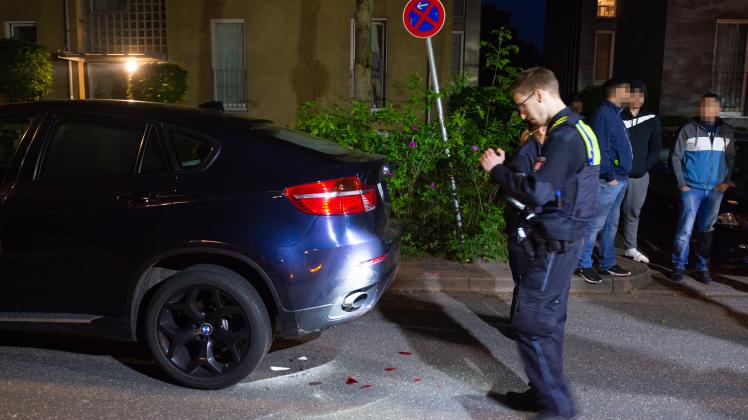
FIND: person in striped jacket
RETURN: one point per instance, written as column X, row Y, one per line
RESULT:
column 703, row 159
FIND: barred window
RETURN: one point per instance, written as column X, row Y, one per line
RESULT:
column 125, row 26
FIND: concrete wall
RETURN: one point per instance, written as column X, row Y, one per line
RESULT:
column 689, row 50
column 296, row 51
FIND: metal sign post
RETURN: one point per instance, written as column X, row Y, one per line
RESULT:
column 424, row 19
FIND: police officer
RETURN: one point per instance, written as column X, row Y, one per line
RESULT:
column 563, row 182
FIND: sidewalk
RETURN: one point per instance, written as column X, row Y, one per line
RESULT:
column 433, row 274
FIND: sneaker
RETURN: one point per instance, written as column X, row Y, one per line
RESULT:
column 617, row 271
column 677, row 275
column 589, row 275
column 635, row 255
column 703, row 277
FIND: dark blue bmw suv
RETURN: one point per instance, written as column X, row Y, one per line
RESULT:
column 199, row 233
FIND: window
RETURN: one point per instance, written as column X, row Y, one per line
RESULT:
column 125, row 27
column 11, row 132
column 229, row 64
column 109, row 5
column 21, row 30
column 378, row 60
column 82, row 147
column 458, row 52
column 604, row 42
column 153, row 161
column 730, row 65
column 191, row 153
column 459, row 8
column 606, row 8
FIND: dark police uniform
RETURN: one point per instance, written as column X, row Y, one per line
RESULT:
column 564, row 183
column 521, row 164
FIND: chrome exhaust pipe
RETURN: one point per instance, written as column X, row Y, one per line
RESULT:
column 354, row 301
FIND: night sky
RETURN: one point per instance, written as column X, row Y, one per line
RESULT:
column 528, row 17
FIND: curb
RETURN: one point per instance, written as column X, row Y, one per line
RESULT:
column 435, row 275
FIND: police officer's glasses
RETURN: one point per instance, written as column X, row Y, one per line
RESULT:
column 522, row 104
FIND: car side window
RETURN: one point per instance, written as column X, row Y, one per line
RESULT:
column 153, row 161
column 92, row 146
column 190, row 152
column 11, row 132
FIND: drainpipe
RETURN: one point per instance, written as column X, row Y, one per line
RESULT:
column 67, row 48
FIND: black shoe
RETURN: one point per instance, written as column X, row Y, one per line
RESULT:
column 617, row 271
column 589, row 275
column 703, row 277
column 677, row 275
column 522, row 401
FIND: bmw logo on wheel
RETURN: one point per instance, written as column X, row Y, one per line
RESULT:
column 206, row 329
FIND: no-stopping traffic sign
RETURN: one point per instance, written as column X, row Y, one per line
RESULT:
column 424, row 18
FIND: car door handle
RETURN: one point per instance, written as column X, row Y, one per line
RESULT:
column 140, row 199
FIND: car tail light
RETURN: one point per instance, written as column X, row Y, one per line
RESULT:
column 333, row 197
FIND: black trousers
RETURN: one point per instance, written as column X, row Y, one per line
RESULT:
column 539, row 317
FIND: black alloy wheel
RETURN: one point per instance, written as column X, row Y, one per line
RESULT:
column 207, row 327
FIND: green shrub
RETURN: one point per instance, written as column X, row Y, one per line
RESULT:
column 159, row 82
column 420, row 183
column 25, row 70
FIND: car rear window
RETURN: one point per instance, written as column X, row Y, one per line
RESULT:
column 306, row 140
column 191, row 152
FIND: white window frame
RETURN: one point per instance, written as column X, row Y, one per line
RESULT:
column 10, row 24
column 213, row 59
column 745, row 68
column 612, row 56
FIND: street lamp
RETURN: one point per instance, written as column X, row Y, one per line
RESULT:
column 130, row 66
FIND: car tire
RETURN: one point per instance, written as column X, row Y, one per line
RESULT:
column 207, row 327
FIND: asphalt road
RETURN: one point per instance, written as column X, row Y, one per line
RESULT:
column 668, row 352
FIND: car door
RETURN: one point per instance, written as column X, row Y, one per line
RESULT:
column 92, row 194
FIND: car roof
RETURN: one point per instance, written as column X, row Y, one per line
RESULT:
column 168, row 113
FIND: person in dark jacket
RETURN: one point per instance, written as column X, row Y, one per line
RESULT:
column 518, row 228
column 615, row 165
column 703, row 159
column 645, row 134
column 562, row 182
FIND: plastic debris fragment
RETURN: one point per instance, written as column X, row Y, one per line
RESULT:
column 406, row 353
column 351, row 381
column 279, row 368
column 303, row 358
column 367, row 386
column 390, row 369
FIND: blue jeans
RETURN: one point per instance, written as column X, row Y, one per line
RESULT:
column 609, row 199
column 702, row 207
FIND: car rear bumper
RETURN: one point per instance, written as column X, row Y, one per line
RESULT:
column 349, row 301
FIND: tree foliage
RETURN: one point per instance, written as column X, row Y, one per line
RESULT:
column 159, row 82
column 25, row 70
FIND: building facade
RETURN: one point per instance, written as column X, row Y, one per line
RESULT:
column 680, row 48
column 262, row 58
